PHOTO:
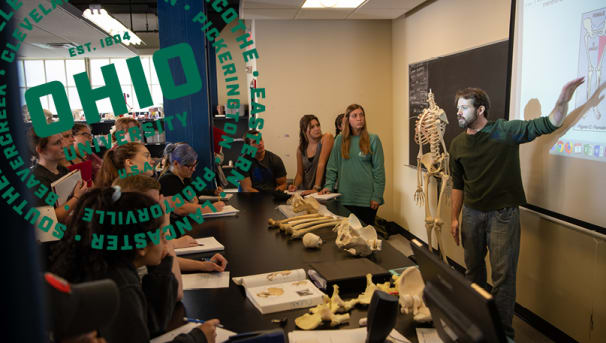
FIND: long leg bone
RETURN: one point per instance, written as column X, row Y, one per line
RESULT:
column 287, row 226
column 273, row 222
column 290, row 228
column 301, row 232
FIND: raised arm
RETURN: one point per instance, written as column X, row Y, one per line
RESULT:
column 557, row 115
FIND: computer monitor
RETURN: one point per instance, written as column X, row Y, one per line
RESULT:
column 461, row 311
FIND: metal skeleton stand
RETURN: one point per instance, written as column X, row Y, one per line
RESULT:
column 429, row 129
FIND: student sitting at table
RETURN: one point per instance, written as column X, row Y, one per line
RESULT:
column 151, row 187
column 123, row 161
column 312, row 155
column 121, row 126
column 183, row 160
column 267, row 172
column 89, row 164
column 48, row 152
column 146, row 304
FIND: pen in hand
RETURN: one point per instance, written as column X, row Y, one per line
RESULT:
column 199, row 321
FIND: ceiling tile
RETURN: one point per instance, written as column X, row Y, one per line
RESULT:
column 246, row 4
column 269, row 13
column 378, row 13
column 320, row 13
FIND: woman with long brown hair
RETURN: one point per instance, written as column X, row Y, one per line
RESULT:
column 129, row 158
column 357, row 161
column 312, row 155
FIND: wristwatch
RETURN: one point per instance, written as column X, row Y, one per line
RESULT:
column 317, row 188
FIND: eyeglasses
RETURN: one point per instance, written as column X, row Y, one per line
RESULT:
column 191, row 166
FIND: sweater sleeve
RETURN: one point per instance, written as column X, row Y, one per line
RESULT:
column 378, row 169
column 524, row 131
column 194, row 336
column 160, row 289
column 332, row 168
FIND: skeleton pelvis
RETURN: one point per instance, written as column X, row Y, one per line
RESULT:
column 432, row 165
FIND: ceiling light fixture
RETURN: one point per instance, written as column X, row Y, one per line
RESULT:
column 107, row 23
column 332, row 3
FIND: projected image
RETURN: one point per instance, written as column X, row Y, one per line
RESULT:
column 587, row 139
column 591, row 58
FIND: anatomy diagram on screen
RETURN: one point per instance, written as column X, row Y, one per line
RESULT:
column 591, row 57
column 429, row 130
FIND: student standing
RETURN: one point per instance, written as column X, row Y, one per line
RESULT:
column 357, row 161
column 312, row 155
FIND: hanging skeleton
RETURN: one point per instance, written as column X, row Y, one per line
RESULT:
column 429, row 129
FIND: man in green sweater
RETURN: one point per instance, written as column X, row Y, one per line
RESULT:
column 487, row 184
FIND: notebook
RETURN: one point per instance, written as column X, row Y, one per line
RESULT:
column 64, row 187
column 227, row 211
column 205, row 244
column 280, row 291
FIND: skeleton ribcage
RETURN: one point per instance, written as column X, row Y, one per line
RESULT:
column 428, row 130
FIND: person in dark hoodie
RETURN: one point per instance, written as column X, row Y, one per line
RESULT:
column 147, row 303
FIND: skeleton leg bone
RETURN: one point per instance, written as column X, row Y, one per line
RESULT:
column 291, row 228
column 301, row 232
column 273, row 222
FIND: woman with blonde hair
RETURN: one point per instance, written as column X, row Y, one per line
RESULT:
column 357, row 161
column 312, row 155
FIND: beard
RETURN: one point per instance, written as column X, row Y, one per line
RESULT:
column 464, row 123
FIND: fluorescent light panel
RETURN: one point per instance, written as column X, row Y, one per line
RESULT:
column 110, row 25
column 332, row 3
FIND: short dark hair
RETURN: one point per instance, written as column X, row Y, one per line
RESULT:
column 249, row 140
column 338, row 121
column 479, row 97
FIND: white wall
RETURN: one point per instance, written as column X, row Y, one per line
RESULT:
column 321, row 67
column 561, row 274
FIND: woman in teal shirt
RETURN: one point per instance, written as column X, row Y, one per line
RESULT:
column 357, row 162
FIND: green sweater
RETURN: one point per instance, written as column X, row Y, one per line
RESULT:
column 361, row 177
column 486, row 166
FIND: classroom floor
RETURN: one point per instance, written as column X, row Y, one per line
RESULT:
column 523, row 331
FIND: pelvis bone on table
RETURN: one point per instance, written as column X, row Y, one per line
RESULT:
column 355, row 239
column 410, row 288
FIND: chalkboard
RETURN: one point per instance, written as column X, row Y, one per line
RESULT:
column 484, row 67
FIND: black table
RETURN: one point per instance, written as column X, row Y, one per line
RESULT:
column 252, row 248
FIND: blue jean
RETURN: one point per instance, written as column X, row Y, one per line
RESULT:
column 499, row 232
